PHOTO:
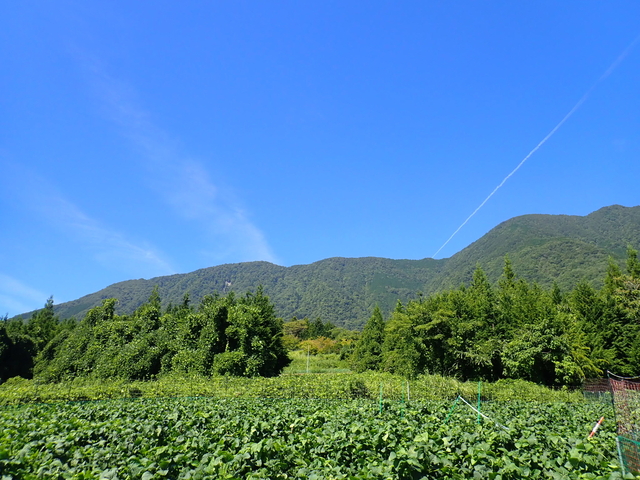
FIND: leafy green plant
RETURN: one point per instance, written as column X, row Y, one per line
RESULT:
column 297, row 438
column 326, row 386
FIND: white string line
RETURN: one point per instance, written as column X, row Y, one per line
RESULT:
column 480, row 413
column 618, row 60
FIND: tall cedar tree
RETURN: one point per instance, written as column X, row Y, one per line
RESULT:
column 367, row 353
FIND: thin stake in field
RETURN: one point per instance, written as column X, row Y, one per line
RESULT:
column 453, row 407
column 596, row 427
column 479, row 391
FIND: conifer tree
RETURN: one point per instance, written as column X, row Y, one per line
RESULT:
column 367, row 353
column 43, row 325
column 633, row 265
column 402, row 349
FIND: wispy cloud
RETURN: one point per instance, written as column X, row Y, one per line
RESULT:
column 16, row 297
column 108, row 246
column 183, row 183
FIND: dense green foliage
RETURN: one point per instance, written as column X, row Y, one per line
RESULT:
column 306, row 362
column 337, row 290
column 482, row 331
column 225, row 335
column 547, row 249
column 334, row 386
column 543, row 248
column 367, row 352
column 306, row 329
column 317, row 337
column 21, row 341
column 201, row 438
column 514, row 330
column 393, row 419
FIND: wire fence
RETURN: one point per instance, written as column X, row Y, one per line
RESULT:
column 626, row 401
column 597, row 390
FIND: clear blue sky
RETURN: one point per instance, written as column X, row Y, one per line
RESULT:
column 140, row 139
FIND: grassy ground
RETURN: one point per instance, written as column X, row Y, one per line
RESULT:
column 371, row 385
column 322, row 363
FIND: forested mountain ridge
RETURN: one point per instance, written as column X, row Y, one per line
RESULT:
column 542, row 248
column 340, row 290
column 546, row 248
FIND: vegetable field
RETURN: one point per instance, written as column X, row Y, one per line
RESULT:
column 197, row 438
column 335, row 386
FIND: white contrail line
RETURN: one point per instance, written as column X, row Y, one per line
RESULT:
column 618, row 60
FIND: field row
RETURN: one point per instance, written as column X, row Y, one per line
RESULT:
column 326, row 386
column 197, row 438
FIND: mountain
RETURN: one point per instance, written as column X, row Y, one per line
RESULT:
column 546, row 248
column 542, row 248
column 341, row 290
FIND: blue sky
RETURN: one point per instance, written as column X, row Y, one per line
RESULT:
column 140, row 139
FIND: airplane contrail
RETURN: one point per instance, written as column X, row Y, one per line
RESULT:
column 611, row 68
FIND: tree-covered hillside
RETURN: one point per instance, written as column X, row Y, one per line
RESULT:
column 339, row 290
column 565, row 249
column 543, row 249
column 514, row 330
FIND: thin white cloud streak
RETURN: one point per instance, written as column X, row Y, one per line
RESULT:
column 608, row 72
column 15, row 296
column 108, row 246
column 184, row 184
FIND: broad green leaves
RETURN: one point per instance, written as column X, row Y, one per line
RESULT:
column 201, row 438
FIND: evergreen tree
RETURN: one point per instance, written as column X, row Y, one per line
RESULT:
column 402, row 350
column 557, row 297
column 434, row 319
column 623, row 295
column 508, row 277
column 367, row 354
column 43, row 325
column 596, row 317
column 613, row 277
column 458, row 330
column 633, row 265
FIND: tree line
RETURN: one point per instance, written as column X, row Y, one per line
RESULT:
column 512, row 330
column 481, row 331
column 224, row 335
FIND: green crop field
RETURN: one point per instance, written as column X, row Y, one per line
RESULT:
column 333, row 386
column 225, row 438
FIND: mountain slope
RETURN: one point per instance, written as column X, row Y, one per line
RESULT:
column 543, row 248
column 340, row 290
column 548, row 248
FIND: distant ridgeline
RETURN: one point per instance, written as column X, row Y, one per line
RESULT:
column 546, row 249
